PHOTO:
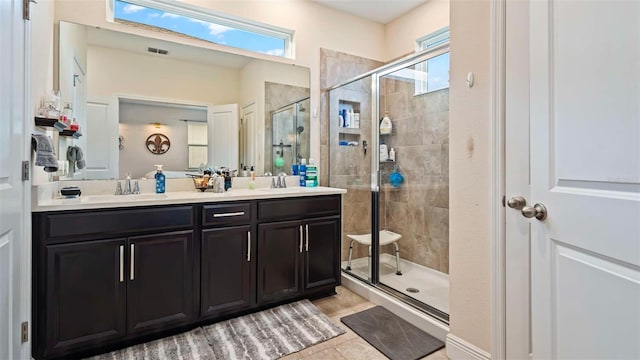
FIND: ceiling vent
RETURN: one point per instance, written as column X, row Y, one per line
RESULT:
column 157, row 51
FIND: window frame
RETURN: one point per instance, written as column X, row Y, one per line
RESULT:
column 423, row 43
column 214, row 17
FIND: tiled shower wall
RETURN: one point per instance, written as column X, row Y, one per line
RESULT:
column 350, row 168
column 419, row 208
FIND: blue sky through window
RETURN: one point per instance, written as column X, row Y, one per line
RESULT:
column 200, row 29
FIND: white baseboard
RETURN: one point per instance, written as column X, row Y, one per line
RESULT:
column 458, row 349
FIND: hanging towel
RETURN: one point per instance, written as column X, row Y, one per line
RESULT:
column 76, row 159
column 45, row 155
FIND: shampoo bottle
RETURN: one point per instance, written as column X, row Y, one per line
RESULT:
column 302, row 170
column 392, row 155
column 386, row 125
column 160, row 180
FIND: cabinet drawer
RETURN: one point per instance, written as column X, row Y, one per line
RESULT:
column 226, row 214
column 62, row 227
column 297, row 208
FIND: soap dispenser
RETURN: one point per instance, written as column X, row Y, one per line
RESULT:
column 160, row 180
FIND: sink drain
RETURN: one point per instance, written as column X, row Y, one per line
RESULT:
column 413, row 290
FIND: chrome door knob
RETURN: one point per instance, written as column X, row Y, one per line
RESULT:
column 517, row 202
column 539, row 211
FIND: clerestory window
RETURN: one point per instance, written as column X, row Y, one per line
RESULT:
column 204, row 24
column 436, row 68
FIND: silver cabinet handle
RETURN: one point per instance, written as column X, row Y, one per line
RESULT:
column 301, row 238
column 239, row 213
column 121, row 263
column 249, row 246
column 306, row 239
column 131, row 274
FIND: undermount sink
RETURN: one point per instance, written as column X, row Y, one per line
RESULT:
column 287, row 190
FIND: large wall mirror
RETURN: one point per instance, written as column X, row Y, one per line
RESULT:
column 130, row 94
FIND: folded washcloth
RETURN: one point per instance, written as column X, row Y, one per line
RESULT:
column 76, row 158
column 45, row 154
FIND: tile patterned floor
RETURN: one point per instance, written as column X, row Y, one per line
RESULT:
column 348, row 346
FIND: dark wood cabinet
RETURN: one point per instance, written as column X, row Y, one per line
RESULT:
column 86, row 294
column 227, row 270
column 279, row 256
column 112, row 277
column 322, row 253
column 159, row 283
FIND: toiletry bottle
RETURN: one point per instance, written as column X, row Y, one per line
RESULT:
column 160, row 180
column 252, row 174
column 384, row 155
column 302, row 170
column 352, row 120
column 294, row 169
column 392, row 155
column 386, row 125
column 340, row 119
column 245, row 173
column 312, row 174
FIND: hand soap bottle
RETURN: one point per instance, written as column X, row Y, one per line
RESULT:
column 160, row 180
column 312, row 174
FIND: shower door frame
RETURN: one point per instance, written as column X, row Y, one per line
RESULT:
column 374, row 270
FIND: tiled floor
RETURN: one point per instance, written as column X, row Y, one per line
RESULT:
column 348, row 346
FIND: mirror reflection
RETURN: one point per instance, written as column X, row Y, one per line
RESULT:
column 201, row 107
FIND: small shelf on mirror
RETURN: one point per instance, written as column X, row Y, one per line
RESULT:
column 54, row 123
column 72, row 133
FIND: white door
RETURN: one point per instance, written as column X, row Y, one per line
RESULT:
column 584, row 113
column 14, row 245
column 248, row 135
column 223, row 136
column 101, row 133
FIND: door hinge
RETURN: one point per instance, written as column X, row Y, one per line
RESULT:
column 25, row 332
column 26, row 9
column 26, row 166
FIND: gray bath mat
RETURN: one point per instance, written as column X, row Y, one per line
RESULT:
column 269, row 334
column 189, row 345
column 391, row 335
column 272, row 333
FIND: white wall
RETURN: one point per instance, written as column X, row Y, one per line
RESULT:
column 112, row 71
column 470, row 173
column 42, row 60
column 401, row 33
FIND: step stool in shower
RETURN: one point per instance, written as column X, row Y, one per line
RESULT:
column 386, row 237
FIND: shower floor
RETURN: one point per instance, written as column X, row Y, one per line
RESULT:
column 432, row 285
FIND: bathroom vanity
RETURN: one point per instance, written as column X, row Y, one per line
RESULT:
column 109, row 275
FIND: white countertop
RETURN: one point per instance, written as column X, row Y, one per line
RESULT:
column 85, row 202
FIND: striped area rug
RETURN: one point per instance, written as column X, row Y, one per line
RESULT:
column 272, row 333
column 269, row 334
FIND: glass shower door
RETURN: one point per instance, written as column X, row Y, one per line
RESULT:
column 414, row 181
column 350, row 123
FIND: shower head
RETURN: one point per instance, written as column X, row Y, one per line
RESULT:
column 300, row 129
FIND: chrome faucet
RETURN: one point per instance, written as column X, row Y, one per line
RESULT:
column 127, row 186
column 118, row 188
column 281, row 183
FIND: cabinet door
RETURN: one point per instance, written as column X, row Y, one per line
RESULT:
column 85, row 294
column 279, row 256
column 159, row 291
column 226, row 277
column 322, row 252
